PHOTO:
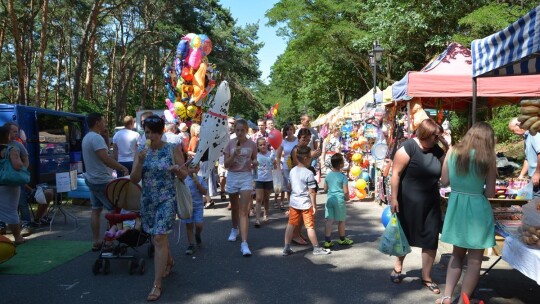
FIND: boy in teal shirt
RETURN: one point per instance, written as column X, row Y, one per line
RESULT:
column 338, row 193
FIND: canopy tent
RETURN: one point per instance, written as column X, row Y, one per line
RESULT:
column 355, row 108
column 512, row 51
column 446, row 83
column 324, row 118
column 395, row 92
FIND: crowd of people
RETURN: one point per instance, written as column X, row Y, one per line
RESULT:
column 245, row 172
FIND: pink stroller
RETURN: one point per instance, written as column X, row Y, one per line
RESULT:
column 125, row 197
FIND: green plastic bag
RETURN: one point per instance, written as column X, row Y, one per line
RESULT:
column 393, row 241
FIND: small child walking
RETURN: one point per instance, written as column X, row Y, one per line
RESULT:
column 303, row 202
column 263, row 181
column 335, row 210
column 198, row 187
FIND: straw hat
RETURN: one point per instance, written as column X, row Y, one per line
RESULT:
column 183, row 127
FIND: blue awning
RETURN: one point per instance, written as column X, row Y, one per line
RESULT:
column 512, row 51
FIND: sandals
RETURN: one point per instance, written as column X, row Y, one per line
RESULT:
column 431, row 286
column 443, row 299
column 154, row 294
column 396, row 277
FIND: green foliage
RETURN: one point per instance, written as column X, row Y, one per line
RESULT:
column 499, row 122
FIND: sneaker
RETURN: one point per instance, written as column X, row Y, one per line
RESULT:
column 346, row 242
column 233, row 235
column 287, row 252
column 328, row 244
column 26, row 230
column 245, row 249
column 190, row 250
column 321, row 251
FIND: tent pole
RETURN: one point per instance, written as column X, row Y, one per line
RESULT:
column 473, row 107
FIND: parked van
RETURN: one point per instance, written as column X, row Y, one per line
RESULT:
column 53, row 139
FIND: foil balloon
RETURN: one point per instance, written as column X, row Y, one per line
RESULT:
column 191, row 111
column 186, row 74
column 206, row 45
column 198, row 83
column 182, row 49
column 168, row 116
column 195, row 58
column 195, row 42
column 180, row 110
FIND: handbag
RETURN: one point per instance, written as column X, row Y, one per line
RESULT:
column 9, row 176
column 277, row 180
column 184, row 201
column 393, row 241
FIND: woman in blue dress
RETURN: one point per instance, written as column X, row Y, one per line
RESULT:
column 154, row 165
column 470, row 169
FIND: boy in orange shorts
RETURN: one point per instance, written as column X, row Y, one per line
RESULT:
column 303, row 202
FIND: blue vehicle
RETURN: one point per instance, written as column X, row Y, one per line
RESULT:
column 53, row 139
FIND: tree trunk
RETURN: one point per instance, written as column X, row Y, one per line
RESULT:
column 28, row 36
column 42, row 47
column 90, row 27
column 60, row 58
column 90, row 68
column 112, row 75
column 2, row 35
column 145, row 81
column 18, row 53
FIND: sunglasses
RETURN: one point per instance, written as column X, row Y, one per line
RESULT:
column 152, row 120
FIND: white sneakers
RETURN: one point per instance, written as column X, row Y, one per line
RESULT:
column 233, row 235
column 245, row 249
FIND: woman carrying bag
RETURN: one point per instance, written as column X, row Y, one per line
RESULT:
column 9, row 194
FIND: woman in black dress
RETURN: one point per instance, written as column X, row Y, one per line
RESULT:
column 416, row 171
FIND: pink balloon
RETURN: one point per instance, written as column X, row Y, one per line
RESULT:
column 195, row 58
column 275, row 138
column 168, row 116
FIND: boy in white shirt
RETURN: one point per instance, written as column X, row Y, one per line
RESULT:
column 303, row 202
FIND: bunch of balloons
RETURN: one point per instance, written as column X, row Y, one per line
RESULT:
column 190, row 79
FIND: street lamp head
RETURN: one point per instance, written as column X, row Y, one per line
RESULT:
column 377, row 51
column 372, row 62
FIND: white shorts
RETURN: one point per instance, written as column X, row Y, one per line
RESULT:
column 239, row 181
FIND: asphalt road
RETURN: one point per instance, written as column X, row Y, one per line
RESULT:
column 218, row 273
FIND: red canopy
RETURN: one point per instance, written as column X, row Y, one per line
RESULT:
column 447, row 82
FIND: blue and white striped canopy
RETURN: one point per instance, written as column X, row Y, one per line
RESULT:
column 512, row 51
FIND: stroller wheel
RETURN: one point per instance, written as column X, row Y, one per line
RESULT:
column 96, row 268
column 106, row 267
column 142, row 266
column 132, row 266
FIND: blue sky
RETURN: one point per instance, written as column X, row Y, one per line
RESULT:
column 245, row 11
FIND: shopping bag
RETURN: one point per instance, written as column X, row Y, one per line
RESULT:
column 40, row 196
column 393, row 241
column 527, row 191
column 184, row 201
column 277, row 180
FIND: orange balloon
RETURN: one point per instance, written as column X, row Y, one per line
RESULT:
column 361, row 194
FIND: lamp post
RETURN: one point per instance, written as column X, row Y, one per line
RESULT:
column 375, row 56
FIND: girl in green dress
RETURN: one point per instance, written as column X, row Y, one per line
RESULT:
column 470, row 169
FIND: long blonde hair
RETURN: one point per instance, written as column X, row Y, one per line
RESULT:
column 481, row 139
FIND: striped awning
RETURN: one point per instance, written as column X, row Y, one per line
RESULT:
column 512, row 51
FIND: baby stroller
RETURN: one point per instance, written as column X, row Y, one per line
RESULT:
column 125, row 196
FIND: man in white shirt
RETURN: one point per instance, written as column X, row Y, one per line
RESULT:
column 125, row 144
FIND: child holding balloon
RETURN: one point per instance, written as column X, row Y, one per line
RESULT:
column 335, row 209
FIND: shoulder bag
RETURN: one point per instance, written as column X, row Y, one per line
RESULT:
column 9, row 176
column 184, row 201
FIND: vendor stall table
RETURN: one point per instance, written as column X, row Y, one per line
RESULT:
column 522, row 258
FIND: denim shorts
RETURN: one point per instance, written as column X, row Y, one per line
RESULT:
column 97, row 196
column 197, row 216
